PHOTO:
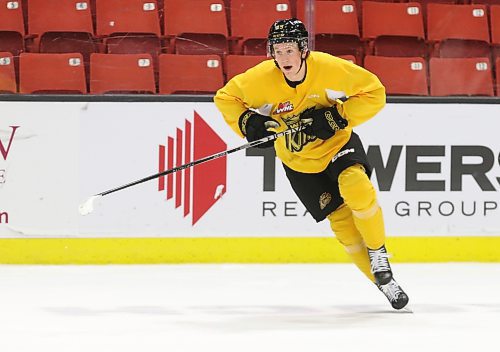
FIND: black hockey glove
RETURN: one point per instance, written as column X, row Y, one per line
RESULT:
column 323, row 123
column 254, row 126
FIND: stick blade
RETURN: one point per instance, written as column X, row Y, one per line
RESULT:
column 87, row 207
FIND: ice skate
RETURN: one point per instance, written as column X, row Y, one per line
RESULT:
column 380, row 268
column 395, row 294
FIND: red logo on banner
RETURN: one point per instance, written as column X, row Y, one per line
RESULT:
column 197, row 188
column 5, row 150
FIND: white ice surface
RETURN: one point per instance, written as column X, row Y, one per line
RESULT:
column 238, row 308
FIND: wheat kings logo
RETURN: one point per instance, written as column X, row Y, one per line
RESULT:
column 296, row 141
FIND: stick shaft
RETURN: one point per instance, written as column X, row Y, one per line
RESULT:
column 205, row 159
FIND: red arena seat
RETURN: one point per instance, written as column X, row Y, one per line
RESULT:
column 7, row 73
column 61, row 26
column 394, row 29
column 129, row 27
column 236, row 64
column 460, row 76
column 190, row 74
column 458, row 30
column 337, row 29
column 11, row 27
column 400, row 75
column 196, row 26
column 51, row 73
column 122, row 73
column 252, row 39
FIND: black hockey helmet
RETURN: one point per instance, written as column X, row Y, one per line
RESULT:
column 289, row 30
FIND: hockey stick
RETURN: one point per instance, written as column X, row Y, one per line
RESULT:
column 88, row 206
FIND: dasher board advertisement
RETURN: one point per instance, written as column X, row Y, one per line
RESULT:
column 436, row 169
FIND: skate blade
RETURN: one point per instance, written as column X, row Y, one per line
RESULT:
column 407, row 310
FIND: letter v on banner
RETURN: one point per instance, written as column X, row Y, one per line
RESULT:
column 5, row 151
column 198, row 188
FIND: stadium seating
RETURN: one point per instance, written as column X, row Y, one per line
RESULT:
column 187, row 34
column 190, row 73
column 61, row 27
column 7, row 73
column 458, row 30
column 196, row 26
column 122, row 73
column 51, row 73
column 460, row 76
column 236, row 64
column 394, row 29
column 12, row 28
column 129, row 27
column 400, row 75
column 250, row 22
column 337, row 29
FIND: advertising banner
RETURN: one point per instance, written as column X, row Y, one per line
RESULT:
column 436, row 169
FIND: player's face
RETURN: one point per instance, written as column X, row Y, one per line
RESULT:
column 289, row 59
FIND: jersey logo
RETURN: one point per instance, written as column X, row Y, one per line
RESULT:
column 296, row 141
column 284, row 107
column 342, row 153
column 324, row 200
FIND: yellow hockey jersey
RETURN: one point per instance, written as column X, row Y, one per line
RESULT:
column 263, row 88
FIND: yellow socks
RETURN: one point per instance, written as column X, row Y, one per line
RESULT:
column 360, row 196
column 341, row 222
column 358, row 223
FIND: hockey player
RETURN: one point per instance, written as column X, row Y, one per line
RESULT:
column 325, row 163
